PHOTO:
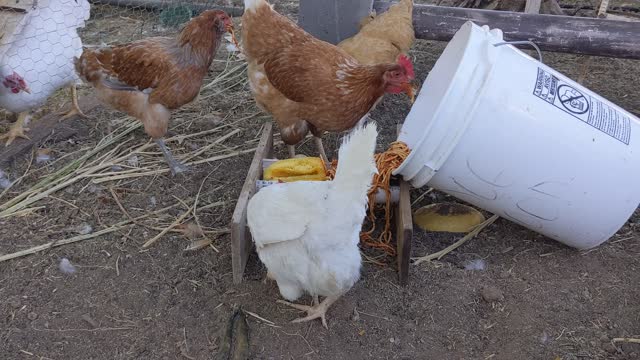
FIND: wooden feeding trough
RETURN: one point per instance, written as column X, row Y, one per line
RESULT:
column 242, row 244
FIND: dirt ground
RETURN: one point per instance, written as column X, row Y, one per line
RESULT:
column 162, row 302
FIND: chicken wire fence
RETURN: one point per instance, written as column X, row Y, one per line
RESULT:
column 110, row 21
column 40, row 38
column 118, row 21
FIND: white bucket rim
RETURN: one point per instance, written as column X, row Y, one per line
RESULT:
column 468, row 32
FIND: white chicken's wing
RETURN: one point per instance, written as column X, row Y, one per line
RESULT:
column 283, row 213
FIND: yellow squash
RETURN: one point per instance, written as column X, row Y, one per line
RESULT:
column 297, row 169
column 448, row 217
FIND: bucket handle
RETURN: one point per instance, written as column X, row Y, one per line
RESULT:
column 525, row 42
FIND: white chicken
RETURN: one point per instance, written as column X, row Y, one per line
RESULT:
column 307, row 232
column 38, row 60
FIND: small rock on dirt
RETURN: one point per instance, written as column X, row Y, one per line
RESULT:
column 544, row 338
column 355, row 316
column 610, row 348
column 15, row 303
column 94, row 324
column 32, row 316
column 84, row 229
column 491, row 294
column 476, row 265
column 4, row 180
column 628, row 348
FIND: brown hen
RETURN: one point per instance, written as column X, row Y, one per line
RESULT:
column 383, row 37
column 148, row 78
column 308, row 84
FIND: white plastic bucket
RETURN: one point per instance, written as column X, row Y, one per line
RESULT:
column 500, row 130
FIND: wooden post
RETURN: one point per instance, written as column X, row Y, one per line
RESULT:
column 569, row 34
column 332, row 20
column 602, row 9
column 404, row 232
column 532, row 6
column 404, row 228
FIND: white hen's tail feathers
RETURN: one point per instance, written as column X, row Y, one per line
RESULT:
column 356, row 165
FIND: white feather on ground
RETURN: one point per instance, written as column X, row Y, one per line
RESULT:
column 307, row 232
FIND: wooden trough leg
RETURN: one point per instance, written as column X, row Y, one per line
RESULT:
column 241, row 242
column 532, row 6
column 404, row 232
column 404, row 228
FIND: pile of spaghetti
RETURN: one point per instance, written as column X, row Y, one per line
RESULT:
column 386, row 162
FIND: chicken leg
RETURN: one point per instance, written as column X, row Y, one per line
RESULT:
column 320, row 147
column 175, row 166
column 17, row 129
column 75, row 108
column 315, row 311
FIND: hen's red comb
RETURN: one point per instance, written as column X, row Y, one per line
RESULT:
column 405, row 62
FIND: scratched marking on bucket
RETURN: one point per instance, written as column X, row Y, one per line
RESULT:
column 590, row 110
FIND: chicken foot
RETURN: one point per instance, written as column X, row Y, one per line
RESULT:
column 17, row 129
column 75, row 108
column 314, row 312
column 174, row 165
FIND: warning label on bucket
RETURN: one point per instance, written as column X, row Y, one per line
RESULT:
column 582, row 106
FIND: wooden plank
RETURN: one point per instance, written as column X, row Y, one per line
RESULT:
column 404, row 228
column 404, row 232
column 532, row 6
column 241, row 241
column 622, row 17
column 332, row 20
column 579, row 35
column 43, row 128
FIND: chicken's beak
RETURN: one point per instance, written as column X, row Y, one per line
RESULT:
column 410, row 90
column 27, row 90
